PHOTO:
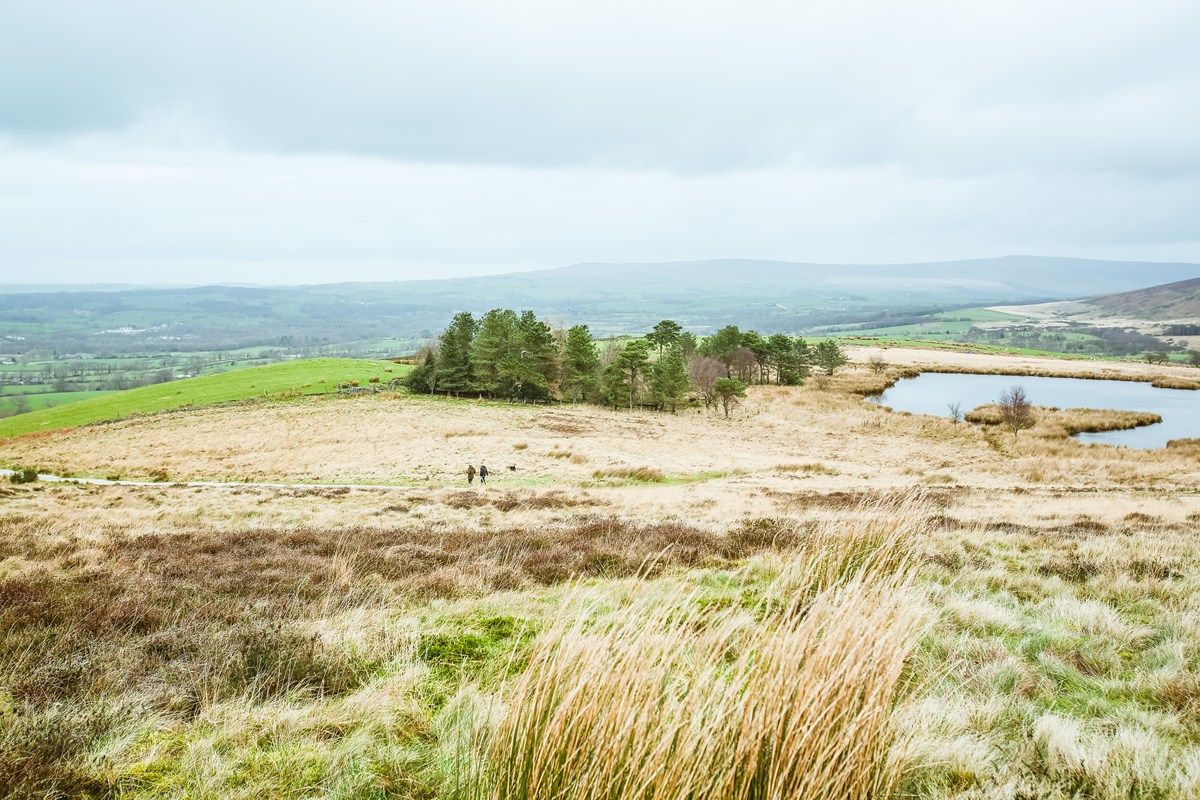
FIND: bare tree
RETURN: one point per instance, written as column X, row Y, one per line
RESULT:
column 705, row 372
column 1016, row 412
column 742, row 364
column 878, row 364
column 1194, row 358
column 956, row 412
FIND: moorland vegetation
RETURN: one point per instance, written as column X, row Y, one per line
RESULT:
column 816, row 597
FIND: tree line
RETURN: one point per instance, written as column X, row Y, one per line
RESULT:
column 515, row 356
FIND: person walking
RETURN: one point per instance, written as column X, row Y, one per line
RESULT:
column 483, row 473
column 470, row 474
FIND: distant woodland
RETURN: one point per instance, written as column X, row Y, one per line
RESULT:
column 518, row 357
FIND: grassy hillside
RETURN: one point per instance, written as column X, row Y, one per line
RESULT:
column 40, row 400
column 1171, row 301
column 309, row 376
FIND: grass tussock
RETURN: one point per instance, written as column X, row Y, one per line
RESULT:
column 673, row 701
column 631, row 474
column 1175, row 382
column 669, row 698
column 810, row 468
column 463, row 433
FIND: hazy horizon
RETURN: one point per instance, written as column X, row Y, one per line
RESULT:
column 273, row 143
column 502, row 272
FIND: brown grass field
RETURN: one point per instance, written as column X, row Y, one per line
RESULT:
column 817, row 598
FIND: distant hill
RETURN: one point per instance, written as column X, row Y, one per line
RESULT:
column 1179, row 301
column 771, row 296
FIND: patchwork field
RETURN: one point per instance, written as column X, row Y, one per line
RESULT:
column 815, row 598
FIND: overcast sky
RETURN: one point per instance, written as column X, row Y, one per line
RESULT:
column 289, row 141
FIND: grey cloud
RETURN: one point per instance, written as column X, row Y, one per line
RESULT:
column 274, row 141
column 696, row 86
column 239, row 217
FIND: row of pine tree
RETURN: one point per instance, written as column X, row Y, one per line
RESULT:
column 517, row 357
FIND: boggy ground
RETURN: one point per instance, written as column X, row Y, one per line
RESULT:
column 1029, row 608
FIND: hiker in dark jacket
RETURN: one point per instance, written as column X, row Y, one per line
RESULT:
column 483, row 474
column 470, row 474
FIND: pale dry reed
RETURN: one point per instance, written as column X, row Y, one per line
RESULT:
column 677, row 698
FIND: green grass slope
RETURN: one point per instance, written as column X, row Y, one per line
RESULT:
column 309, row 376
column 39, row 400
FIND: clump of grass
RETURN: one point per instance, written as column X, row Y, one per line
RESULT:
column 463, row 433
column 557, row 453
column 1175, row 383
column 373, row 379
column 521, row 446
column 23, row 475
column 669, row 698
column 811, row 468
column 1072, row 568
column 578, row 458
column 638, row 474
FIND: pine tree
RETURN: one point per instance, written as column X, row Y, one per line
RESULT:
column 493, row 353
column 756, row 344
column 665, row 334
column 581, row 365
column 723, row 346
column 688, row 343
column 729, row 392
column 540, row 367
column 829, row 356
column 669, row 381
column 454, row 359
column 804, row 359
column 631, row 364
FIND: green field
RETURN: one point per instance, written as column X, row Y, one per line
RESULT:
column 309, row 376
column 40, row 400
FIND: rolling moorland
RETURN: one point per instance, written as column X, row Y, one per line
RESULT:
column 612, row 298
column 816, row 597
column 60, row 346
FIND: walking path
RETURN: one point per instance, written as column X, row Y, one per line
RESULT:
column 48, row 478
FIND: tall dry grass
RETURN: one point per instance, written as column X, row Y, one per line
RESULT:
column 671, row 697
column 1057, row 423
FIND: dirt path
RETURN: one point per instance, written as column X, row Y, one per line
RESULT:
column 49, row 478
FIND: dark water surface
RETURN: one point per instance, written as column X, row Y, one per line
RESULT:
column 932, row 392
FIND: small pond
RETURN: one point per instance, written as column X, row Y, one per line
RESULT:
column 932, row 392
